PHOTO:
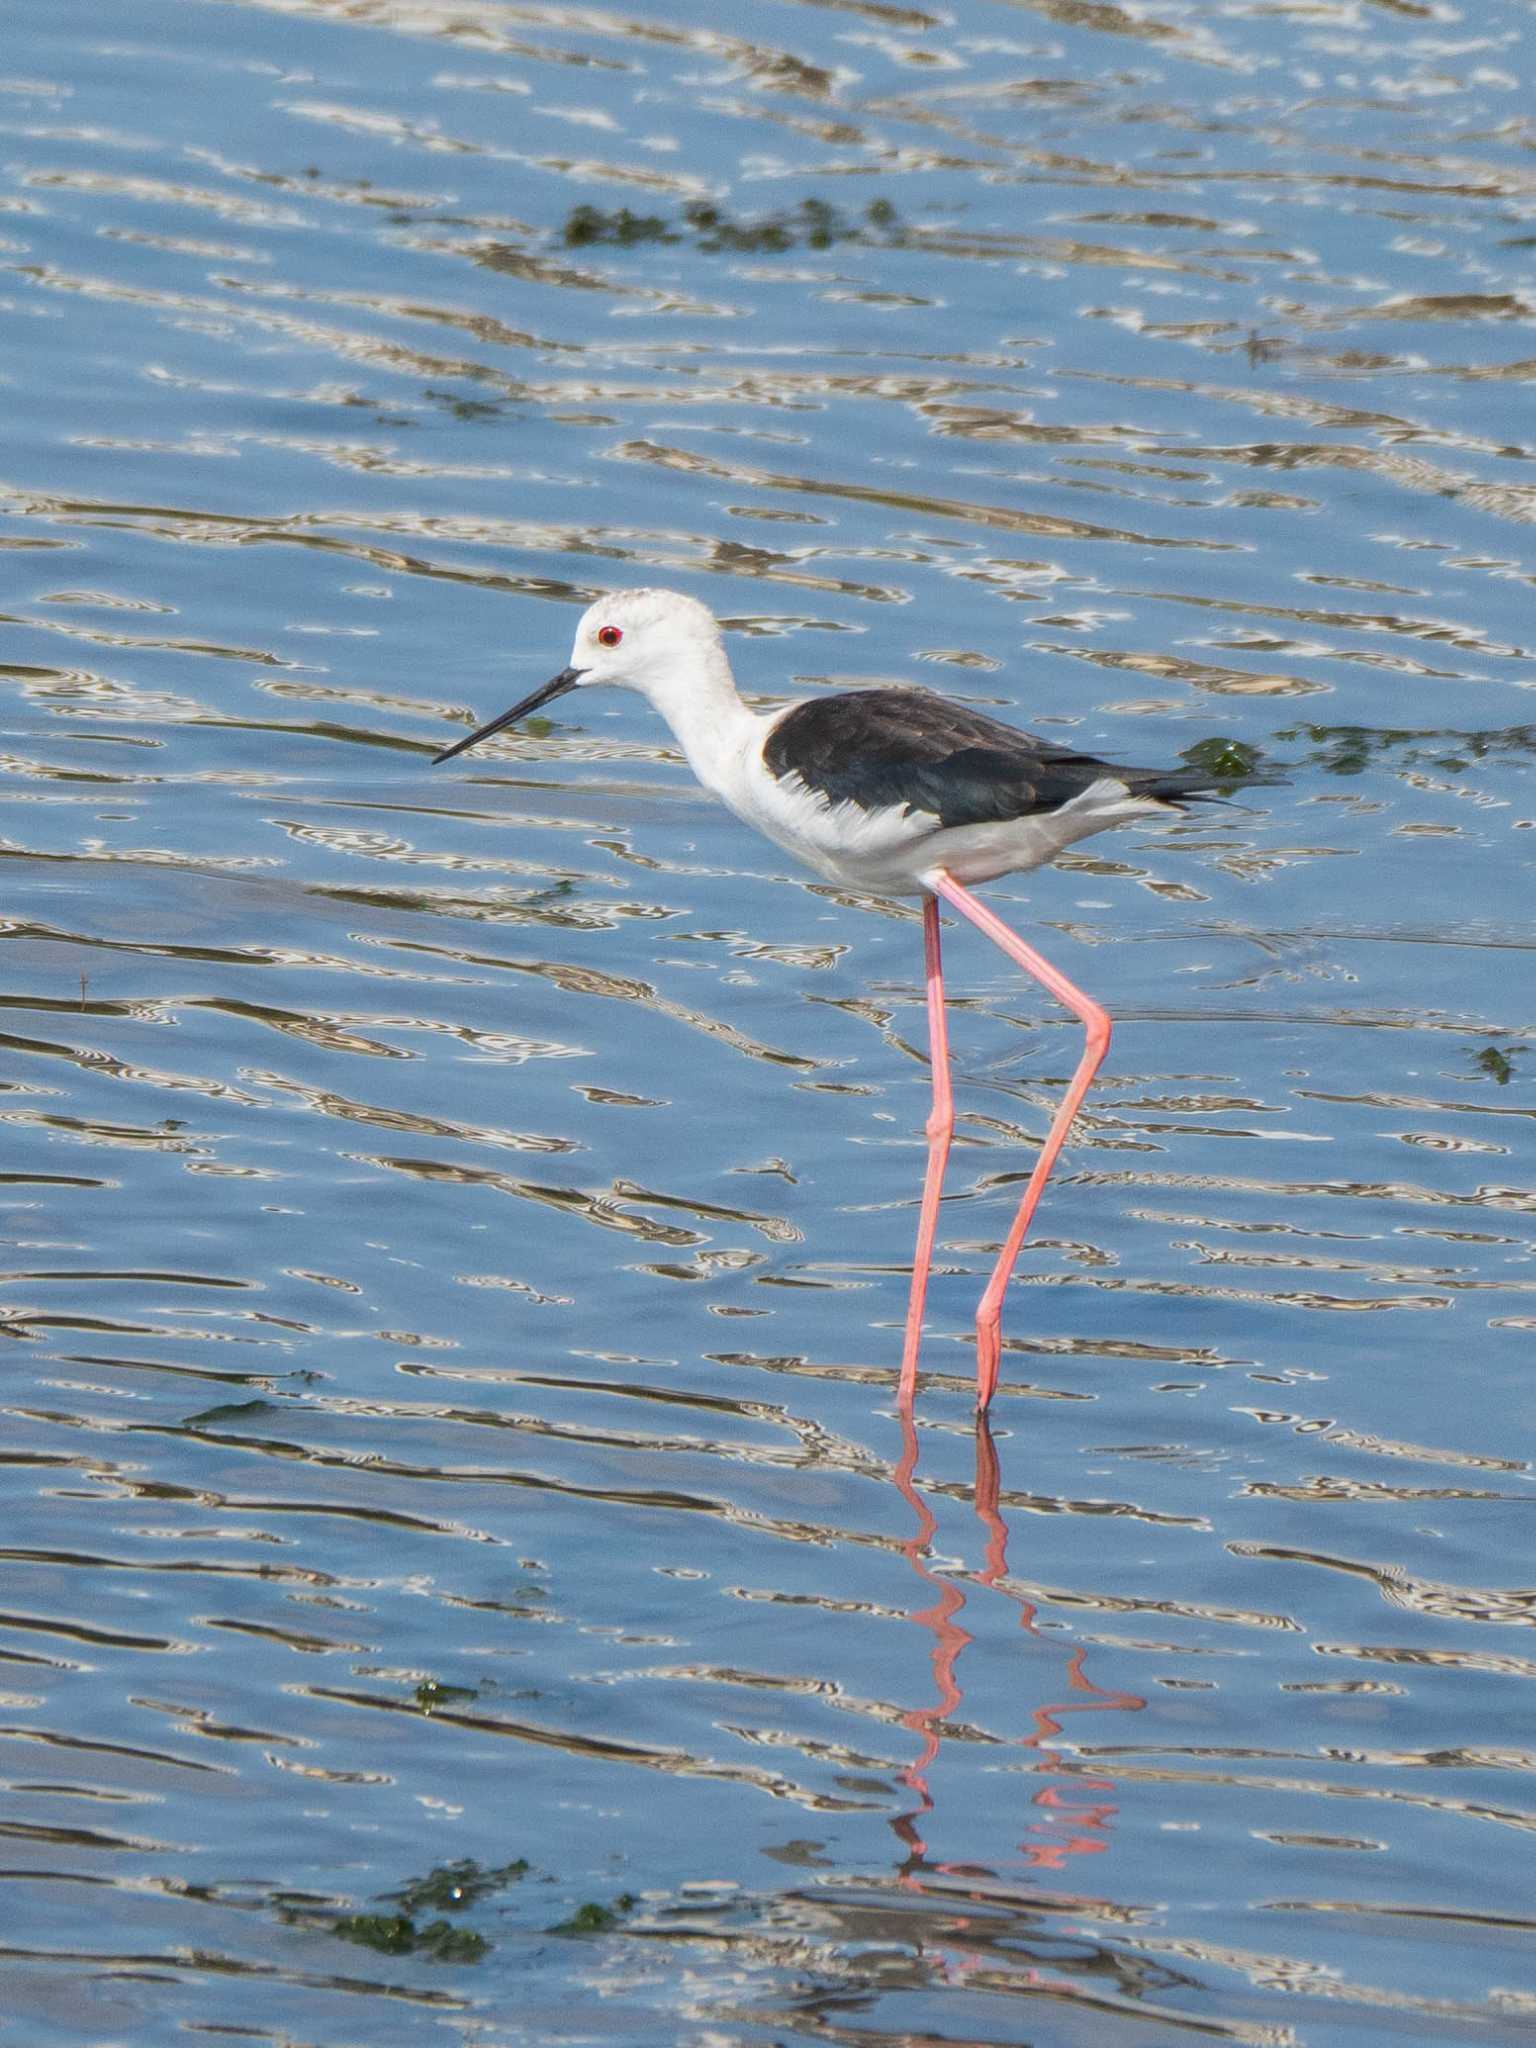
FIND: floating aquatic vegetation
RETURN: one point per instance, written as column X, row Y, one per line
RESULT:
column 813, row 224
column 1351, row 749
column 595, row 1918
column 1225, row 760
column 396, row 1934
column 447, row 1888
column 1498, row 1062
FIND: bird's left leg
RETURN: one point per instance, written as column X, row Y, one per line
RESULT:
column 1096, row 1025
column 941, row 1125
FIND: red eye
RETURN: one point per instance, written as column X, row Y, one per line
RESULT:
column 608, row 636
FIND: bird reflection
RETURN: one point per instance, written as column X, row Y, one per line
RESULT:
column 1074, row 1809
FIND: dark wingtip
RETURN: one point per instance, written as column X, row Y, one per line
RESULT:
column 1204, row 785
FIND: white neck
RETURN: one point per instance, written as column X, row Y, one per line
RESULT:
column 696, row 694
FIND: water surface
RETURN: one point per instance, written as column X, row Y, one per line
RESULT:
column 466, row 1574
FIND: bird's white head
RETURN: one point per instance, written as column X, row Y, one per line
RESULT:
column 661, row 642
column 643, row 637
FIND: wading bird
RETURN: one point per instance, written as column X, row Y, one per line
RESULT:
column 895, row 791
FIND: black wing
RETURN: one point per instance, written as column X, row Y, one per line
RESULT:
column 875, row 748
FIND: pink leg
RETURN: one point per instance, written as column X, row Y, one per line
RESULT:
column 941, row 1124
column 1096, row 1023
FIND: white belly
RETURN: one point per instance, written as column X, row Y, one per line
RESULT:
column 891, row 850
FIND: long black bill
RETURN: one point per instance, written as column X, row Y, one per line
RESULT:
column 557, row 686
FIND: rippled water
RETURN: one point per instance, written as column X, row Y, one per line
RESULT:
column 465, row 1574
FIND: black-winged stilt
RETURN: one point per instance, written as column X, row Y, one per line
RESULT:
column 895, row 791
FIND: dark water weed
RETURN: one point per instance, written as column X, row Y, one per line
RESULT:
column 594, row 1918
column 813, row 224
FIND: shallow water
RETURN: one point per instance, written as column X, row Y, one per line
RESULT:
column 466, row 1576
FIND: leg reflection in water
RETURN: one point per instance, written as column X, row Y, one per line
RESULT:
column 1074, row 1813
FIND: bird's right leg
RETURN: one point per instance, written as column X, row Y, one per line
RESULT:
column 940, row 1127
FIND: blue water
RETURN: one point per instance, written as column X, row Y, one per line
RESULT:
column 466, row 1577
